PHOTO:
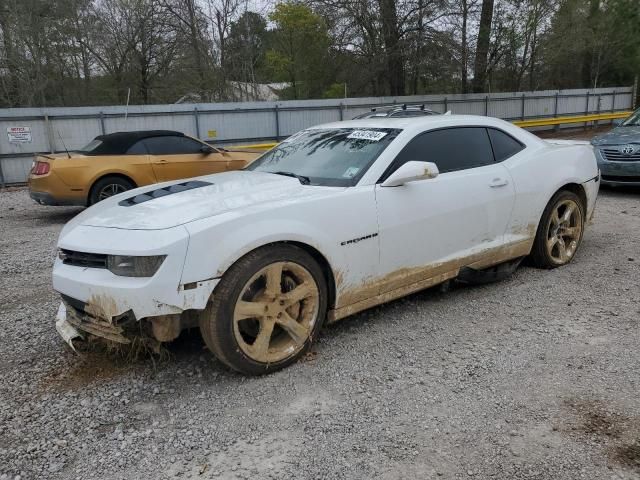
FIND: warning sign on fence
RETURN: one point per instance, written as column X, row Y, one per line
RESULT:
column 19, row 134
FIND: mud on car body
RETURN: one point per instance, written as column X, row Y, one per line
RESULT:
column 336, row 219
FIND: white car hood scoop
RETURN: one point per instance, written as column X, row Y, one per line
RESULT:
column 169, row 205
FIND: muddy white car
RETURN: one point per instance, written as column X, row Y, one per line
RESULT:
column 337, row 219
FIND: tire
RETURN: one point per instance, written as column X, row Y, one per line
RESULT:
column 252, row 324
column 107, row 187
column 559, row 233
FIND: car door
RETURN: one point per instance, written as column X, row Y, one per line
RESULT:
column 431, row 227
column 174, row 157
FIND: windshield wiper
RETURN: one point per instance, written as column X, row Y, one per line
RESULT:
column 303, row 180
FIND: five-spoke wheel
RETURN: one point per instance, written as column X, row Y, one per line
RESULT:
column 560, row 231
column 266, row 310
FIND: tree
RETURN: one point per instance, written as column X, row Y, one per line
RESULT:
column 300, row 50
column 482, row 46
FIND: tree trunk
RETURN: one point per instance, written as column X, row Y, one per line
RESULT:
column 482, row 47
column 393, row 55
column 587, row 60
column 465, row 49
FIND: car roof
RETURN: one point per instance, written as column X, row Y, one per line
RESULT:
column 119, row 142
column 432, row 121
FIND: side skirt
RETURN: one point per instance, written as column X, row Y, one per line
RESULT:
column 406, row 281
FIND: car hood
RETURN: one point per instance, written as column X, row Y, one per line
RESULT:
column 225, row 192
column 618, row 136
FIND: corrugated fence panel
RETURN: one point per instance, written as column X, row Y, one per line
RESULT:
column 16, row 170
column 39, row 141
column 180, row 122
column 292, row 121
column 251, row 121
column 73, row 133
column 238, row 125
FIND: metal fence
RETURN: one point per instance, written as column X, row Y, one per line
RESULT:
column 50, row 130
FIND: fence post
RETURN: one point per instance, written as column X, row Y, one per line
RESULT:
column 586, row 109
column 613, row 105
column 197, row 120
column 522, row 113
column 555, row 111
column 102, row 127
column 277, row 123
column 50, row 137
column 446, row 107
column 2, row 184
column 634, row 96
column 613, row 102
column 340, row 107
column 486, row 105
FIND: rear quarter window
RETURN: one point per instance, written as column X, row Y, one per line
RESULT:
column 503, row 144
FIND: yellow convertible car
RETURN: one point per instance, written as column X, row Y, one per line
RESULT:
column 117, row 162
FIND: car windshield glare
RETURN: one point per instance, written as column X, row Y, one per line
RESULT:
column 633, row 120
column 329, row 157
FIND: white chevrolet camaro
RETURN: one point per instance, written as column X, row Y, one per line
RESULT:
column 334, row 220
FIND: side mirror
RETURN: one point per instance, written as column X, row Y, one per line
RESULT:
column 410, row 172
column 617, row 122
column 207, row 149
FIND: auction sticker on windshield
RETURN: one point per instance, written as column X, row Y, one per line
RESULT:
column 371, row 135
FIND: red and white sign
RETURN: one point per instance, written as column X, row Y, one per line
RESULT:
column 19, row 134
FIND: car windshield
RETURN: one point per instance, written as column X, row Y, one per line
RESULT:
column 331, row 157
column 91, row 146
column 633, row 120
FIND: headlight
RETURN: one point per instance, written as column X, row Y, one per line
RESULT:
column 131, row 266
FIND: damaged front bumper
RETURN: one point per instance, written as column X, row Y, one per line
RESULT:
column 74, row 323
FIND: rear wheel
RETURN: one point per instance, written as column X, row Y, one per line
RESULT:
column 266, row 310
column 560, row 231
column 107, row 187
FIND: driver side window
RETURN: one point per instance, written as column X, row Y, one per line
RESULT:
column 451, row 149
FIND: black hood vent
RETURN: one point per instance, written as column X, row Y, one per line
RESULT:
column 162, row 192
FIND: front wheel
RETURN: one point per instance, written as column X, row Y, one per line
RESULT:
column 266, row 310
column 560, row 231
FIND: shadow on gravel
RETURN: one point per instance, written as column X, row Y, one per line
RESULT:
column 95, row 364
column 56, row 217
column 620, row 191
column 597, row 423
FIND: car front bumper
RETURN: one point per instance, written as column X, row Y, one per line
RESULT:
column 97, row 301
column 618, row 173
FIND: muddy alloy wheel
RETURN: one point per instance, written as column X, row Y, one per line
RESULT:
column 266, row 310
column 564, row 231
column 275, row 313
column 560, row 231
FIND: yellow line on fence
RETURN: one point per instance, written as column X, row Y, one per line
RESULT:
column 536, row 122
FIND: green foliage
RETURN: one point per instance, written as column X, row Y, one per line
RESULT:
column 300, row 50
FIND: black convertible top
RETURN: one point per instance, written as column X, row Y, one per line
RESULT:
column 119, row 142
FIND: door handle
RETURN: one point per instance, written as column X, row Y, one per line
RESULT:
column 162, row 160
column 498, row 182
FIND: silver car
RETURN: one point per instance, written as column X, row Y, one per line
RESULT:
column 618, row 153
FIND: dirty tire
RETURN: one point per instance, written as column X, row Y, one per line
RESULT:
column 560, row 231
column 266, row 311
column 107, row 187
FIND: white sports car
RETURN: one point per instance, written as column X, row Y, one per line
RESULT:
column 336, row 219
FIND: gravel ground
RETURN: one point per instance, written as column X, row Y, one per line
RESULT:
column 533, row 377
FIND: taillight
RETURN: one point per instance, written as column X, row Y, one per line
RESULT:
column 40, row 168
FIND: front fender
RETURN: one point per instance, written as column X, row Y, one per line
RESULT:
column 213, row 250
